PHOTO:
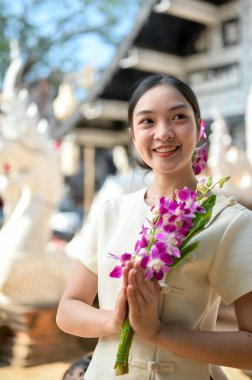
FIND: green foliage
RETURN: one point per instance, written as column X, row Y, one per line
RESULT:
column 53, row 33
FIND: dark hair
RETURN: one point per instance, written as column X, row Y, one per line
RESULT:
column 141, row 87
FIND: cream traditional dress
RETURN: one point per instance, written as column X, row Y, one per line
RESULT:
column 220, row 268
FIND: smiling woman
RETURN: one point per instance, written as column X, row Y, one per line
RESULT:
column 165, row 131
column 164, row 119
column 174, row 325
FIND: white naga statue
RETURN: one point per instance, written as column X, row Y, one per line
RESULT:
column 226, row 159
column 37, row 186
column 32, row 268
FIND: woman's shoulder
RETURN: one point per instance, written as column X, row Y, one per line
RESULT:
column 126, row 200
column 231, row 207
column 230, row 200
column 130, row 208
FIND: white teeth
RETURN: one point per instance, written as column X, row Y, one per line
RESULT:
column 166, row 150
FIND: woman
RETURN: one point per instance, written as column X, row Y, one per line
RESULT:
column 174, row 331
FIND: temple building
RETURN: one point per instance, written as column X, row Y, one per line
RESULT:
column 205, row 43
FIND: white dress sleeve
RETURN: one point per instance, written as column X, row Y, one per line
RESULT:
column 89, row 239
column 231, row 269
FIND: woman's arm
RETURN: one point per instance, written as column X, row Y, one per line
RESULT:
column 232, row 349
column 77, row 316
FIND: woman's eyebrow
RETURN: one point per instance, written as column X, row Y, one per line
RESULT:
column 179, row 106
column 144, row 112
column 173, row 108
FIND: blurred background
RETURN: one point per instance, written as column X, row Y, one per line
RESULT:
column 66, row 71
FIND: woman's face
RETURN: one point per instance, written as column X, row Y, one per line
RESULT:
column 164, row 130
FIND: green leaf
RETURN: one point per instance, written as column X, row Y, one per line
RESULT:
column 209, row 202
column 200, row 220
column 185, row 252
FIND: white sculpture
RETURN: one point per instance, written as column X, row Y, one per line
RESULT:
column 9, row 191
column 33, row 268
column 25, row 276
column 226, row 159
column 248, row 127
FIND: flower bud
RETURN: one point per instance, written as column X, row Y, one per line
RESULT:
column 222, row 181
column 209, row 182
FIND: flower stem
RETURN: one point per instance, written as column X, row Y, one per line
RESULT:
column 126, row 335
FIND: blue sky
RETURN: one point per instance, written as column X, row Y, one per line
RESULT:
column 90, row 48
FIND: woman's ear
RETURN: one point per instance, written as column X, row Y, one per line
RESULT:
column 198, row 126
column 131, row 132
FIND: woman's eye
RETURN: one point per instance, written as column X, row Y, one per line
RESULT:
column 179, row 117
column 146, row 121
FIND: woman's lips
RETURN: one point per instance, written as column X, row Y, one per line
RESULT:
column 166, row 149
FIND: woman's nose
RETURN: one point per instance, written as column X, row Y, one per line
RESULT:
column 164, row 132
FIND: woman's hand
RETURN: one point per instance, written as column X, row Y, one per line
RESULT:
column 142, row 298
column 115, row 322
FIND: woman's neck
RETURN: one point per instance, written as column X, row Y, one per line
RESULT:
column 166, row 185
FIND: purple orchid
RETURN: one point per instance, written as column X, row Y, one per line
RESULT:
column 117, row 271
column 144, row 241
column 199, row 160
column 189, row 199
column 202, row 130
column 170, row 241
column 156, row 264
column 159, row 242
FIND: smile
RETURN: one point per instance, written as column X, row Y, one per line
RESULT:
column 166, row 149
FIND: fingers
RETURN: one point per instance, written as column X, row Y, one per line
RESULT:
column 142, row 296
column 147, row 288
column 133, row 300
column 125, row 274
column 141, row 293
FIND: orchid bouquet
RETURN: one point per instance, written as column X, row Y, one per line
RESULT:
column 164, row 242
